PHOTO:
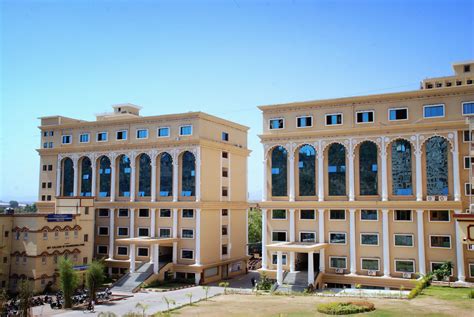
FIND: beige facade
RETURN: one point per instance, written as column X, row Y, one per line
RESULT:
column 372, row 182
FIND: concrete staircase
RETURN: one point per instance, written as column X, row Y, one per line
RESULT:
column 130, row 281
column 295, row 282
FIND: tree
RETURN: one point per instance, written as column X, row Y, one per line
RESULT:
column 14, row 204
column 444, row 271
column 30, row 208
column 25, row 297
column 255, row 225
column 68, row 280
column 94, row 278
column 3, row 301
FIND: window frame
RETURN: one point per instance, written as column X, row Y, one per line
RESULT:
column 443, row 221
column 165, row 228
column 181, row 254
column 466, row 193
column 182, row 213
column 337, row 232
column 139, row 209
column 138, row 231
column 102, row 245
column 305, row 219
column 304, row 116
column 337, row 257
column 360, row 215
column 464, row 137
column 106, row 136
column 365, row 111
column 88, row 137
column 163, row 136
column 404, row 260
column 186, row 125
column 434, row 105
column 186, row 238
column 170, row 216
column 369, row 245
column 332, row 114
column 142, row 129
column 143, row 248
column 364, row 258
column 284, row 256
column 395, row 212
column 103, row 235
column 279, row 118
column 122, row 131
column 286, row 214
column 404, row 246
column 312, row 232
column 470, row 271
column 398, row 108
column 225, row 136
column 128, row 213
column 345, row 215
column 280, row 231
column 462, row 108
column 441, row 235
column 470, row 161
column 66, row 135
column 108, row 213
column 122, row 246
column 123, row 235
column 440, row 262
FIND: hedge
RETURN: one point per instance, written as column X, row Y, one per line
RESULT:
column 345, row 308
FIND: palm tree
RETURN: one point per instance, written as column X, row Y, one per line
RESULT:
column 67, row 280
column 94, row 278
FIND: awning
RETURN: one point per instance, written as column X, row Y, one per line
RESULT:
column 303, row 247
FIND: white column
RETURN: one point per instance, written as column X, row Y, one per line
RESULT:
column 175, row 177
column 156, row 258
column 198, row 237
column 175, row 252
column 291, row 159
column 75, row 161
column 456, row 180
column 350, row 157
column 419, row 184
column 175, row 235
column 383, row 159
column 386, row 244
column 320, row 175
column 197, row 278
column 459, row 251
column 421, row 242
column 198, row 175
column 132, row 258
column 111, row 232
column 264, row 239
column 132, row 223
column 133, row 174
column 310, row 268
column 279, row 268
column 112, row 178
column 93, row 176
column 153, row 179
column 265, row 181
column 58, row 178
column 352, row 240
column 322, row 263
column 153, row 223
column 292, row 239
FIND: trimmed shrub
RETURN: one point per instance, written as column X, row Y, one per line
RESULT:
column 345, row 308
column 470, row 294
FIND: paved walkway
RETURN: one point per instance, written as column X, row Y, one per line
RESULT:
column 241, row 281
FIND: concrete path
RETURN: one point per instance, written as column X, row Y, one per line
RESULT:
column 241, row 281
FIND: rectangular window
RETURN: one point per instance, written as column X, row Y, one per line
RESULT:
column 186, row 130
column 122, row 231
column 337, row 237
column 403, row 240
column 370, row 264
column 122, row 250
column 279, row 236
column 398, row 114
column 43, row 185
column 468, row 191
column 369, row 215
column 45, row 235
column 121, row 135
column 225, row 155
column 123, row 213
column 66, row 139
column 468, row 108
column 102, row 249
column 437, row 265
column 142, row 251
column 84, row 138
column 433, row 111
column 163, row 132
column 225, row 136
column 440, row 242
column 142, row 134
column 404, row 266
column 50, row 185
column 143, row 232
column 402, row 215
column 224, row 230
column 369, row 239
column 165, row 213
column 102, row 137
column 439, row 215
column 187, row 254
column 275, row 259
column 304, row 122
column 471, row 269
column 336, row 262
column 225, row 212
column 50, row 167
column 307, row 237
column 307, row 214
column 278, row 123
column 225, row 172
column 103, row 212
column 103, row 231
column 365, row 116
column 144, row 213
column 224, row 250
column 467, row 162
column 337, row 214
column 188, row 213
column 466, row 137
column 225, row 191
column 187, row 233
column 165, row 232
column 279, row 214
column 334, row 119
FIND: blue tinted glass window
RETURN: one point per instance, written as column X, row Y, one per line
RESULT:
column 104, row 177
column 434, row 111
column 186, row 130
column 124, row 176
column 279, row 171
column 142, row 134
column 468, row 108
column 307, row 170
column 144, row 176
column 163, row 132
column 437, row 166
column 86, row 173
column 368, row 168
column 337, row 170
column 84, row 138
column 166, row 175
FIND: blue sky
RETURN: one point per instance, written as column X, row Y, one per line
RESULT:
column 76, row 58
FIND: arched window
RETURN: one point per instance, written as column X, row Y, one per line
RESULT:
column 144, row 176
column 368, row 168
column 279, row 168
column 436, row 149
column 166, row 175
column 188, row 175
column 104, row 177
column 401, row 168
column 124, row 176
column 337, row 170
column 68, row 177
column 307, row 170
column 86, row 177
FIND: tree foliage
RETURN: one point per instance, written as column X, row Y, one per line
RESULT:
column 25, row 296
column 95, row 277
column 444, row 271
column 255, row 225
column 68, row 280
column 14, row 204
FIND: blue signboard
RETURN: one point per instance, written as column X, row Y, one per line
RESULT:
column 80, row 267
column 59, row 217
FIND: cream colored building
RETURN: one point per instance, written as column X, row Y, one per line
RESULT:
column 363, row 190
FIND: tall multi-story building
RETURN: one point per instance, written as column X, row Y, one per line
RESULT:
column 168, row 193
column 365, row 190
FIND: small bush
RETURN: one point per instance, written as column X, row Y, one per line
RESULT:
column 420, row 285
column 345, row 308
column 470, row 294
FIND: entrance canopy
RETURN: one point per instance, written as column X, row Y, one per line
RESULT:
column 303, row 247
column 148, row 241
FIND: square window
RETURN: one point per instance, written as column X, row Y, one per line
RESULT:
column 369, row 239
column 440, row 242
column 225, row 212
column 84, row 138
column 307, row 237
column 103, row 212
column 66, row 139
column 121, row 135
column 101, row 136
column 279, row 214
column 187, row 233
column 337, row 214
column 467, row 68
column 122, row 250
column 188, row 213
column 337, row 238
column 186, row 130
column 187, row 254
column 165, row 213
column 102, row 249
column 370, row 264
column 144, row 213
column 165, row 232
column 468, row 108
column 142, row 251
column 123, row 213
column 433, row 111
column 122, row 231
column 336, row 262
column 103, row 231
column 439, row 215
column 143, row 232
column 50, row 167
column 369, row 215
column 275, row 259
column 402, row 215
column 365, row 116
column 279, row 236
column 398, row 114
column 403, row 240
column 304, row 122
column 404, row 266
column 142, row 134
column 307, row 214
column 437, row 265
column 276, row 124
column 225, row 136
column 163, row 132
column 334, row 119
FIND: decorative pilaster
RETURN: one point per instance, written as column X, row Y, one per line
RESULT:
column 292, row 239
column 419, row 182
column 456, row 176
column 75, row 161
column 385, row 244
column 175, row 235
column 156, row 258
column 265, row 180
column 198, row 174
column 291, row 159
column 93, row 159
column 322, row 263
column 153, row 155
column 58, row 176
column 350, row 157
column 132, row 258
column 320, row 174
column 280, row 268
column 113, row 175
column 383, row 159
column 352, row 240
column 198, row 237
column 133, row 173
column 310, row 268
column 421, row 241
column 111, row 232
column 132, row 223
column 459, row 251
column 153, row 223
column 175, row 175
column 264, row 239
